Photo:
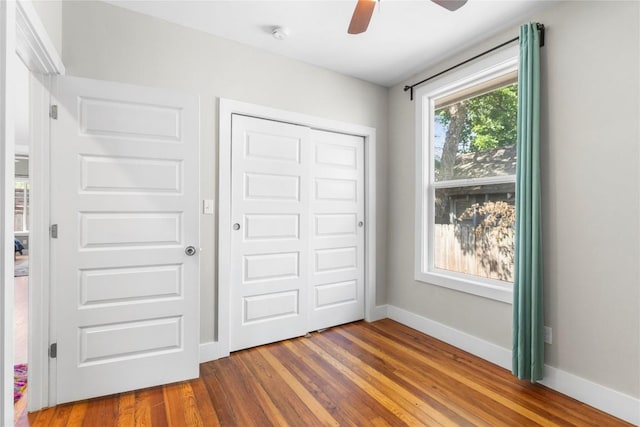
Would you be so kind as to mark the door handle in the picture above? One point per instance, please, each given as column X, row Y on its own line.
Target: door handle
column 190, row 251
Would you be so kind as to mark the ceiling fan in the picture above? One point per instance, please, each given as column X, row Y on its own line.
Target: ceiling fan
column 364, row 11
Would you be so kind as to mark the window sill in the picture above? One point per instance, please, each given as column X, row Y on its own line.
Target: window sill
column 486, row 288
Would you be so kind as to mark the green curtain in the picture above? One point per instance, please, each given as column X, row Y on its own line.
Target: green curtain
column 528, row 322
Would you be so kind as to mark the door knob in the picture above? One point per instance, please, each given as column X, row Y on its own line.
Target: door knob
column 236, row 226
column 190, row 251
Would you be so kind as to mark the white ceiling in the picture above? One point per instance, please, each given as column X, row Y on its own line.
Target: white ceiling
column 404, row 37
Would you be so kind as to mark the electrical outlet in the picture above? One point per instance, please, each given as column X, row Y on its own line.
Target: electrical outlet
column 548, row 335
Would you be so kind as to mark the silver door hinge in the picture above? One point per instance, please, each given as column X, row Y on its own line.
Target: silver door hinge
column 53, row 350
column 54, row 231
column 53, row 112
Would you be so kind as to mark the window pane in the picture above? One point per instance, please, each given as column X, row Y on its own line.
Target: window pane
column 475, row 137
column 21, row 206
column 474, row 230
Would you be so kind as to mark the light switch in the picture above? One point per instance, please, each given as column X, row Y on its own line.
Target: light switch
column 207, row 207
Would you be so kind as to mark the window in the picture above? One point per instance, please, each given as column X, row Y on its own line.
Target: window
column 21, row 206
column 466, row 145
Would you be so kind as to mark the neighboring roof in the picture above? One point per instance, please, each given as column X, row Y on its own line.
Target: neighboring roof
column 497, row 162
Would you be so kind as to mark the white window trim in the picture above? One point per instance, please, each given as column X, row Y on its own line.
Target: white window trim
column 501, row 62
column 453, row 183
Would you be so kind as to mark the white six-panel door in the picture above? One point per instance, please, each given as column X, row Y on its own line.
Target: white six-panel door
column 125, row 200
column 296, row 248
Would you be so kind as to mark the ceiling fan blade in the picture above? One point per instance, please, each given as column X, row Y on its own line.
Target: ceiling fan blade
column 361, row 16
column 450, row 4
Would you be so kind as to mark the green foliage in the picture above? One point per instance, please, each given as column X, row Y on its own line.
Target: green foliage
column 490, row 120
column 495, row 235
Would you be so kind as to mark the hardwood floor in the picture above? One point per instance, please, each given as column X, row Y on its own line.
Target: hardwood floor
column 360, row 374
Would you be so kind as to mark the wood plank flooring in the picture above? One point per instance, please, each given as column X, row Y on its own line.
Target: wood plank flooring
column 360, row 374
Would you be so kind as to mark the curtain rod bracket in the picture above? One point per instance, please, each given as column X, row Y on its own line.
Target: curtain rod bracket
column 539, row 27
column 406, row 88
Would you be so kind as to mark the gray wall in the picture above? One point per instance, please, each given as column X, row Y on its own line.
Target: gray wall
column 105, row 42
column 591, row 194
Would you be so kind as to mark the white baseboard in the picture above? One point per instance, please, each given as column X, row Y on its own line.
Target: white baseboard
column 378, row 313
column 210, row 351
column 476, row 346
column 600, row 397
column 608, row 400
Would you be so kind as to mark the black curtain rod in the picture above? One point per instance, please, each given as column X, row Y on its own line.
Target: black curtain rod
column 540, row 28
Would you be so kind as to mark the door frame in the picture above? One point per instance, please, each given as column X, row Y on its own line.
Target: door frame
column 7, row 47
column 226, row 109
column 25, row 35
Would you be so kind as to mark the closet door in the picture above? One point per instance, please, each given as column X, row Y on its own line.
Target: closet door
column 270, row 202
column 337, row 229
column 297, row 245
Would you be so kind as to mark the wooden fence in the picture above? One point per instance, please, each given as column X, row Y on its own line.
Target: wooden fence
column 459, row 248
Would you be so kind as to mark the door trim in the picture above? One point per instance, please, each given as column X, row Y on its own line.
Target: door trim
column 226, row 109
column 7, row 59
column 40, row 366
column 26, row 35
column 33, row 44
column 23, row 33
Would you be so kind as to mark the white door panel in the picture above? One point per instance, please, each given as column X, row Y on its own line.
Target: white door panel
column 269, row 249
column 331, row 294
column 298, row 252
column 271, row 227
column 336, row 225
column 109, row 174
column 125, row 198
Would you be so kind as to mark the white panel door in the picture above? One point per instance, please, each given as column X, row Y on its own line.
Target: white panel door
column 125, row 199
column 337, row 229
column 269, row 241
column 297, row 249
